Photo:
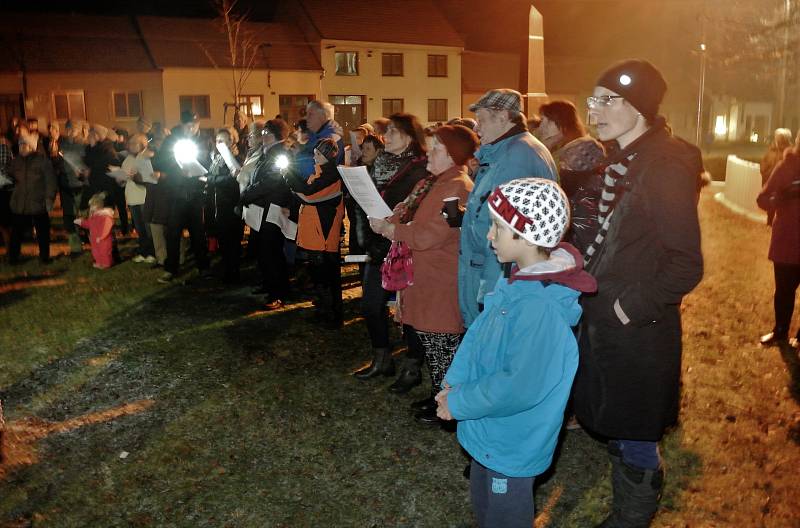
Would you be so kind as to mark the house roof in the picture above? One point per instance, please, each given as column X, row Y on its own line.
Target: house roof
column 406, row 22
column 201, row 43
column 62, row 42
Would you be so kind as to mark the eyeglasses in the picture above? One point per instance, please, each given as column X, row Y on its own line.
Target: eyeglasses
column 600, row 101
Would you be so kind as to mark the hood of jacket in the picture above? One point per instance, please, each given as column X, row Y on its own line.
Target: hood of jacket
column 564, row 267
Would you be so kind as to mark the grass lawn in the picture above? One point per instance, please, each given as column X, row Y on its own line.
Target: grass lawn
column 130, row 403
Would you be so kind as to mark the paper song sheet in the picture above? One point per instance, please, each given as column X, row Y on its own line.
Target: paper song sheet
column 193, row 168
column 145, row 169
column 226, row 154
column 364, row 192
column 252, row 215
column 74, row 160
column 276, row 216
column 118, row 173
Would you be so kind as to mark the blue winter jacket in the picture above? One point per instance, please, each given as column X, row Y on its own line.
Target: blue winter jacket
column 518, row 156
column 304, row 160
column 512, row 375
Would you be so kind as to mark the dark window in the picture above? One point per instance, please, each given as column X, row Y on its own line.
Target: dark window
column 346, row 62
column 69, row 105
column 127, row 104
column 199, row 104
column 437, row 65
column 437, row 109
column 392, row 106
column 293, row 107
column 392, row 64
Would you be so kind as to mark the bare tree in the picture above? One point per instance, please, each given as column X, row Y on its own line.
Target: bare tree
column 241, row 50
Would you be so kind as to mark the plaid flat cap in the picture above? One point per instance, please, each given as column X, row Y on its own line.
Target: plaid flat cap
column 499, row 99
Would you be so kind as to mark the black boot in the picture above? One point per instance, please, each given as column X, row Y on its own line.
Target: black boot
column 382, row 365
column 409, row 377
column 427, row 417
column 424, row 405
column 636, row 495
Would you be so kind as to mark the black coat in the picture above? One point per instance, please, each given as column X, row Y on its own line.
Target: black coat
column 393, row 193
column 628, row 381
column 268, row 185
column 222, row 197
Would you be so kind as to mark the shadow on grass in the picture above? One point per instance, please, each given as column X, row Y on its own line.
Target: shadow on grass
column 790, row 358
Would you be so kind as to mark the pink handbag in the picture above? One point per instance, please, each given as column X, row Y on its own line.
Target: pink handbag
column 397, row 270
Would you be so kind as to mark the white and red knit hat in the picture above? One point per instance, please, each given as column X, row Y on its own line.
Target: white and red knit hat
column 534, row 208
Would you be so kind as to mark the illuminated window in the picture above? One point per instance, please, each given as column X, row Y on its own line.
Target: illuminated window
column 69, row 105
column 346, row 62
column 437, row 109
column 127, row 105
column 256, row 103
column 392, row 106
column 392, row 64
column 437, row 65
column 199, row 104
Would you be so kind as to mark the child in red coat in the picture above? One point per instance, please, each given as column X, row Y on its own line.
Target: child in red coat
column 100, row 225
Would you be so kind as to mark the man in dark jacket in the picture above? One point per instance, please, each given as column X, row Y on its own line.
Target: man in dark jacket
column 269, row 187
column 34, row 192
column 186, row 196
column 645, row 258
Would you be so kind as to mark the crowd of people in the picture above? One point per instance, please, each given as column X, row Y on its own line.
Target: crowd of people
column 531, row 265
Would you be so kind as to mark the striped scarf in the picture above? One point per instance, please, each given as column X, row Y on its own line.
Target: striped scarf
column 609, row 197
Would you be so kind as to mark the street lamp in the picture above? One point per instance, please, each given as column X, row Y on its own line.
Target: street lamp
column 702, row 90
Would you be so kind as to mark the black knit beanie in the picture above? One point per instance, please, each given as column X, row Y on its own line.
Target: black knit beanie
column 639, row 82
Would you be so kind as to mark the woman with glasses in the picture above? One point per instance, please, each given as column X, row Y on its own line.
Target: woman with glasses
column 397, row 170
column 645, row 257
column 577, row 156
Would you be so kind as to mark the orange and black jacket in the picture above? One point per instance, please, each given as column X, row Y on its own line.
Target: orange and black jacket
column 322, row 211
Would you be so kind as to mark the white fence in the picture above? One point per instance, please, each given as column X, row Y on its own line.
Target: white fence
column 742, row 185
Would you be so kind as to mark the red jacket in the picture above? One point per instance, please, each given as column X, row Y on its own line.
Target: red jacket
column 784, row 247
column 431, row 303
column 100, row 226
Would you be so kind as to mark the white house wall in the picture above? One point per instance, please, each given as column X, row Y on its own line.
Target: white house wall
column 218, row 85
column 414, row 86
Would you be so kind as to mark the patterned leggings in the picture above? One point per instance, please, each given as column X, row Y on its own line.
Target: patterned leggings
column 439, row 351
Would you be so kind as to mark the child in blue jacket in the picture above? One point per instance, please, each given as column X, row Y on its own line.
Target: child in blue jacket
column 510, row 380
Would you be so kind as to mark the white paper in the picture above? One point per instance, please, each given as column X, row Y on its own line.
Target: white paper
column 119, row 174
column 145, row 169
column 253, row 215
column 364, row 192
column 74, row 160
column 275, row 216
column 356, row 258
column 230, row 161
column 193, row 168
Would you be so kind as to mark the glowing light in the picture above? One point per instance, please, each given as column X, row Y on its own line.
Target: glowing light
column 754, row 137
column 625, row 80
column 702, row 47
column 281, row 162
column 720, row 128
column 185, row 151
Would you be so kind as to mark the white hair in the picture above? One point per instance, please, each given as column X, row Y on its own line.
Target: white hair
column 323, row 106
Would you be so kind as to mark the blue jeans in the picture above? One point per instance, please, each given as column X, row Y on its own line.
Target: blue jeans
column 637, row 453
column 143, row 230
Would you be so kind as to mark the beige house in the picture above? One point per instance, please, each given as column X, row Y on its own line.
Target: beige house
column 406, row 56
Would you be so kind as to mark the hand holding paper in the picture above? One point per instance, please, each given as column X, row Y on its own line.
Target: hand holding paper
column 364, row 192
